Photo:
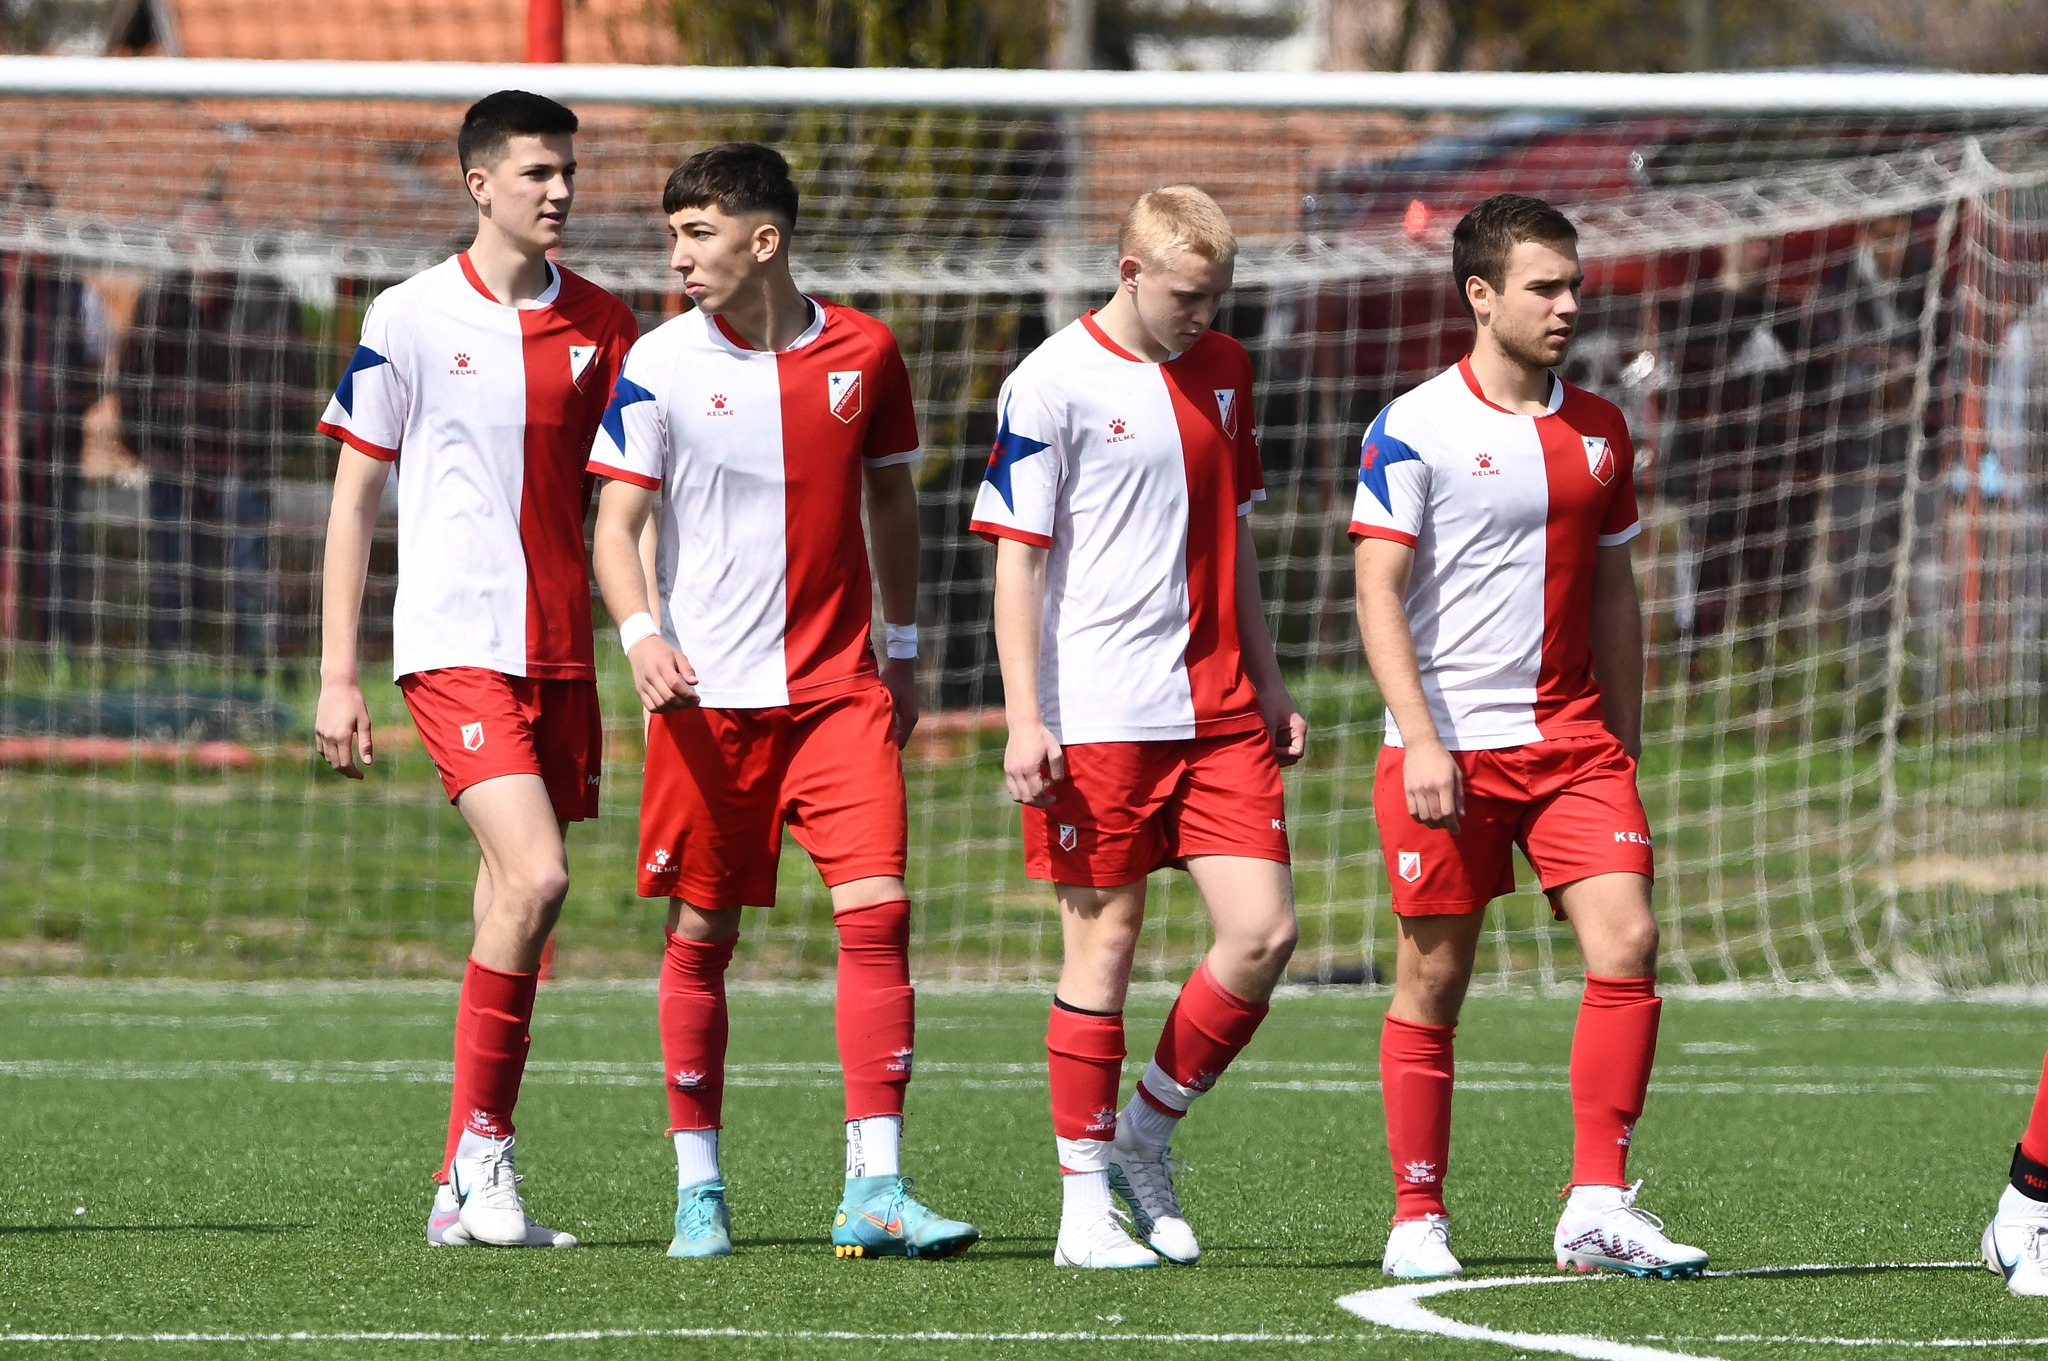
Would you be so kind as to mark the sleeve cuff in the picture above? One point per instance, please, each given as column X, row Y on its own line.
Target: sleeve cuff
column 357, row 442
column 895, row 460
column 991, row 531
column 1622, row 536
column 621, row 475
column 1360, row 530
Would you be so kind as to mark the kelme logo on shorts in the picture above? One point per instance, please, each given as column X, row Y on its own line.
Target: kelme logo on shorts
column 472, row 736
column 1069, row 838
column 1411, row 865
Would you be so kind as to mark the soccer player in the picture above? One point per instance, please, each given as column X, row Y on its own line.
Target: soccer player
column 1494, row 510
column 1148, row 719
column 2016, row 1240
column 765, row 419
column 487, row 375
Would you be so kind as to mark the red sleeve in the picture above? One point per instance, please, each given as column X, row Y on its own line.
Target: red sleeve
column 892, row 428
column 1622, row 514
column 1251, row 473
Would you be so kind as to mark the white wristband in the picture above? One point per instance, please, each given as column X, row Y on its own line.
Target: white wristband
column 899, row 641
column 637, row 630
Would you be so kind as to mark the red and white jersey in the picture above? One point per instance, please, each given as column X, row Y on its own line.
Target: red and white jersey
column 761, row 564
column 1134, row 476
column 489, row 412
column 1506, row 514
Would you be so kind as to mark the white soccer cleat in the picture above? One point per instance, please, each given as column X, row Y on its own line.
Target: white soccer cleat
column 1100, row 1241
column 1602, row 1230
column 486, row 1188
column 2016, row 1243
column 1143, row 1177
column 444, row 1221
column 1420, row 1250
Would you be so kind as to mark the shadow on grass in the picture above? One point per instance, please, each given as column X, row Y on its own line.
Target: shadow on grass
column 153, row 1228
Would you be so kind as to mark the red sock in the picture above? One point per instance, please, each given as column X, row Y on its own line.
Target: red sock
column 1415, row 1087
column 690, row 1008
column 875, row 1011
column 1207, row 1028
column 2034, row 1143
column 1085, row 1064
column 492, row 1042
column 1612, row 1050
column 458, row 1114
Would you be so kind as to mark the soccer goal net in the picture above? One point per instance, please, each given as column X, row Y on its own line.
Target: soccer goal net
column 1821, row 314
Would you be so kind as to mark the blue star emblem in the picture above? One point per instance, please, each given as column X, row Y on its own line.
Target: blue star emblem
column 1378, row 451
column 1010, row 448
column 625, row 392
column 345, row 391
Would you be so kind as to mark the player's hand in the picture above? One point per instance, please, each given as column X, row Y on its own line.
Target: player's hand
column 899, row 674
column 1286, row 726
column 1032, row 764
column 1435, row 787
column 662, row 676
column 341, row 727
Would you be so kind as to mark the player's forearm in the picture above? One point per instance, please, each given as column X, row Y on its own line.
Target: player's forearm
column 1617, row 646
column 1019, row 615
column 893, row 541
column 615, row 551
column 1254, row 639
column 345, row 565
column 1390, row 646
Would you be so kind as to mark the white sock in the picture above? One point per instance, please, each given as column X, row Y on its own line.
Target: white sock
column 1083, row 1195
column 696, row 1156
column 873, row 1146
column 1146, row 1123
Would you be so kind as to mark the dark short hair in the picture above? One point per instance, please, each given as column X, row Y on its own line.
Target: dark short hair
column 497, row 118
column 1485, row 236
column 736, row 178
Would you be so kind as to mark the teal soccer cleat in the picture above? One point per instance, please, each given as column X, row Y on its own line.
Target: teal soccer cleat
column 880, row 1218
column 703, row 1227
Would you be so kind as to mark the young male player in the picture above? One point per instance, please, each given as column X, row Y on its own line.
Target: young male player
column 2016, row 1240
column 1148, row 720
column 487, row 374
column 765, row 419
column 1494, row 509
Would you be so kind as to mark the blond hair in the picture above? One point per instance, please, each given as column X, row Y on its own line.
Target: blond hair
column 1172, row 219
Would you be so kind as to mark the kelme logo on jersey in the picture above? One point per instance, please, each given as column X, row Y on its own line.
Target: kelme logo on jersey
column 1599, row 458
column 472, row 736
column 1411, row 865
column 1485, row 468
column 1120, row 430
column 1226, row 407
column 842, row 390
column 579, row 363
column 462, row 366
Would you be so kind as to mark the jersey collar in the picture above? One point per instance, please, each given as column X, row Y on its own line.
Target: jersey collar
column 1102, row 339
column 809, row 333
column 547, row 296
column 1472, row 382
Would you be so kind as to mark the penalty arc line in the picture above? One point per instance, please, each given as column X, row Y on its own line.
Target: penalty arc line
column 1400, row 1308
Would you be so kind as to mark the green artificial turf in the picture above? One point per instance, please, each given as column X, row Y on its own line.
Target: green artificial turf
column 253, row 1160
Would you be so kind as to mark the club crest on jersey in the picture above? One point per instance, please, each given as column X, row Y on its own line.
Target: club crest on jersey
column 579, row 363
column 1599, row 458
column 842, row 390
column 1226, row 407
column 1411, row 865
column 472, row 736
column 1069, row 837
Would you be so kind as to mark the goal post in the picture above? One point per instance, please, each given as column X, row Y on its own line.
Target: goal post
column 1817, row 296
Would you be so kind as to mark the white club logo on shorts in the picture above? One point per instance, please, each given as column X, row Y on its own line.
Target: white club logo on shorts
column 1411, row 865
column 472, row 736
column 842, row 389
column 1069, row 838
column 1599, row 458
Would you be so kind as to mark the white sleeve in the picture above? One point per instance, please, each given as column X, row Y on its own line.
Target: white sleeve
column 632, row 439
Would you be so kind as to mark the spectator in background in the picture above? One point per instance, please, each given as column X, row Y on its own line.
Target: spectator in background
column 214, row 379
column 44, row 320
column 1859, row 401
column 1730, row 452
column 2014, row 463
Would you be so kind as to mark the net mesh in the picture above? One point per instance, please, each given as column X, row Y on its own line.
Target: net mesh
column 1826, row 336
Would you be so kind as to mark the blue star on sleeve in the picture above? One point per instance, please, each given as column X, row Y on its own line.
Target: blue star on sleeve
column 1010, row 448
column 1379, row 452
column 625, row 392
column 345, row 391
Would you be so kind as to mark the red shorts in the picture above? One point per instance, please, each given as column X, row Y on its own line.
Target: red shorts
column 722, row 782
column 1570, row 803
column 477, row 725
column 1128, row 808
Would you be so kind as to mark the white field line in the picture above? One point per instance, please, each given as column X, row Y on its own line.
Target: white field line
column 1400, row 1308
column 979, row 1076
column 684, row 1334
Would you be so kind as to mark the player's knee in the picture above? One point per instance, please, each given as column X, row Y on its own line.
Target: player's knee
column 540, row 885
